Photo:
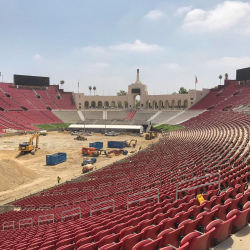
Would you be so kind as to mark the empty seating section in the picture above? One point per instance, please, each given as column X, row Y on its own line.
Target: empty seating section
column 130, row 115
column 227, row 97
column 22, row 108
column 144, row 115
column 116, row 115
column 213, row 144
column 188, row 114
column 164, row 116
column 67, row 116
column 91, row 114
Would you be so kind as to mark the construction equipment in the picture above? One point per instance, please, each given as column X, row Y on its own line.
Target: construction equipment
column 28, row 147
column 116, row 152
column 90, row 161
column 87, row 168
column 80, row 138
column 112, row 133
column 93, row 152
column 150, row 135
column 43, row 132
column 128, row 144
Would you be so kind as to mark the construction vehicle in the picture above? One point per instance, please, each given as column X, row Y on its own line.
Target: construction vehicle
column 128, row 144
column 150, row 135
column 112, row 133
column 93, row 152
column 80, row 138
column 87, row 168
column 90, row 161
column 29, row 147
column 43, row 132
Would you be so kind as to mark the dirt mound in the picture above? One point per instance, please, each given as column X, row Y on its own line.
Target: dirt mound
column 13, row 174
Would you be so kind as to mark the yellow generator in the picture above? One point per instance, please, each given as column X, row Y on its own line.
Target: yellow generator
column 28, row 147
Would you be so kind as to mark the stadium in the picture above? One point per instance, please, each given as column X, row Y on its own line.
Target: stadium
column 120, row 128
column 134, row 201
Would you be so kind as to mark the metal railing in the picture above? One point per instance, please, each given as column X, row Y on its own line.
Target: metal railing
column 80, row 199
column 25, row 222
column 9, row 224
column 101, row 195
column 44, row 218
column 45, row 206
column 88, row 189
column 73, row 212
column 72, row 190
column 61, row 203
column 145, row 198
column 56, row 192
column 103, row 185
column 100, row 209
column 197, row 178
column 29, row 207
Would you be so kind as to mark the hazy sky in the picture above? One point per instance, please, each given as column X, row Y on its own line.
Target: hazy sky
column 102, row 43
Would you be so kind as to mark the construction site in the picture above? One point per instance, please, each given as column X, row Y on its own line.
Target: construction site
column 23, row 174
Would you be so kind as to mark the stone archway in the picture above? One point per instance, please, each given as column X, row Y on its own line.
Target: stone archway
column 148, row 105
column 126, row 104
column 112, row 104
column 154, row 105
column 93, row 104
column 179, row 103
column 137, row 102
column 106, row 104
column 166, row 104
column 160, row 105
column 173, row 104
column 86, row 104
column 185, row 104
column 119, row 104
column 99, row 104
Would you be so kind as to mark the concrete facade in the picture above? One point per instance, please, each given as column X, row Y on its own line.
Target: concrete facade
column 147, row 102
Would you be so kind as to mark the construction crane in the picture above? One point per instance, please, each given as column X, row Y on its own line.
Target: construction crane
column 29, row 147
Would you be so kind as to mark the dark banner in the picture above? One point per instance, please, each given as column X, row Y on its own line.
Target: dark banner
column 31, row 80
column 243, row 74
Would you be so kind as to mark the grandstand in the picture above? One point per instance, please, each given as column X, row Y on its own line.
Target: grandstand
column 147, row 200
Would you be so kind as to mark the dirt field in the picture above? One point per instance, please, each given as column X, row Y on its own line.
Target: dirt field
column 22, row 175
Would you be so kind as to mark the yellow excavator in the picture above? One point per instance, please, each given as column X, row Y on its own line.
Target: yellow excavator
column 128, row 144
column 29, row 147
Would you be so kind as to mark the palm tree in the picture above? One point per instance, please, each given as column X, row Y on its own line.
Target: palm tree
column 90, row 89
column 220, row 77
column 94, row 88
column 62, row 82
column 226, row 76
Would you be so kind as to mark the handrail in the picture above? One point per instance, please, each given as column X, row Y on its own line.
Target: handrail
column 44, row 206
column 12, row 224
column 61, row 203
column 100, row 209
column 79, row 199
column 106, row 184
column 78, row 209
column 29, row 207
column 40, row 218
column 27, row 223
column 88, row 189
column 56, row 192
column 142, row 199
column 197, row 178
